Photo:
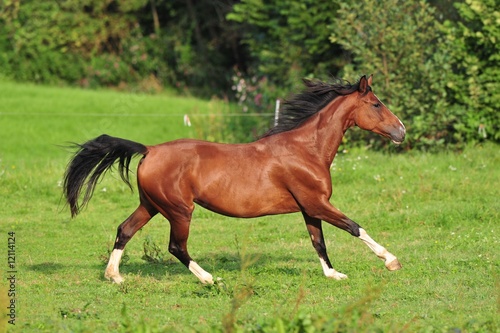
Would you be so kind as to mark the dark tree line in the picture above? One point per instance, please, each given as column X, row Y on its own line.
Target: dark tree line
column 436, row 63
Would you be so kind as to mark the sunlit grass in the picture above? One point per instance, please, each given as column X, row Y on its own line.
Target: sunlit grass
column 438, row 213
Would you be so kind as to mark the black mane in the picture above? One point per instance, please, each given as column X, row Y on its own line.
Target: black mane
column 314, row 98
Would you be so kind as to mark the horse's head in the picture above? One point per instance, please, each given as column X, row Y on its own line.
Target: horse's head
column 372, row 115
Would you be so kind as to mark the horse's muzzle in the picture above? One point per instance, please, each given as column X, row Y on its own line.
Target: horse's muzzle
column 397, row 135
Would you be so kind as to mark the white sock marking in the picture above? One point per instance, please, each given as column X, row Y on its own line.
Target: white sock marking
column 200, row 273
column 112, row 270
column 330, row 272
column 378, row 249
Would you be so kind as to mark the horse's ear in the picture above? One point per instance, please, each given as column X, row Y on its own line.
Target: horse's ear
column 308, row 82
column 363, row 84
column 370, row 79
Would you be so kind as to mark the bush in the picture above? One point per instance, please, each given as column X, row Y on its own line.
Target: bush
column 48, row 42
column 287, row 39
column 400, row 44
column 442, row 80
column 474, row 89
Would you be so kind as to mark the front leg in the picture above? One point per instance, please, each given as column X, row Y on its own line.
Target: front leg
column 390, row 261
column 316, row 233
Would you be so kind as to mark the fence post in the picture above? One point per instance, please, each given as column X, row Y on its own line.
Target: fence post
column 277, row 112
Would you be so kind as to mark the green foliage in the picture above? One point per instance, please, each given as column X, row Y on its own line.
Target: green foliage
column 79, row 314
column 153, row 252
column 226, row 122
column 400, row 43
column 431, row 75
column 194, row 45
column 474, row 43
column 114, row 43
column 287, row 38
column 287, row 41
column 51, row 42
column 436, row 62
column 33, row 49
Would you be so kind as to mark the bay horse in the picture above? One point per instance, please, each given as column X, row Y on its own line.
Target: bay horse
column 287, row 170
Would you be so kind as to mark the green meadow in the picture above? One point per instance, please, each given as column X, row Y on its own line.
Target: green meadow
column 438, row 213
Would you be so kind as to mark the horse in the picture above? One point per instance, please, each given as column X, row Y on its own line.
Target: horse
column 286, row 170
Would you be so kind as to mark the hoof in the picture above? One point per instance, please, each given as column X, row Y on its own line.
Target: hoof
column 333, row 274
column 340, row 276
column 115, row 279
column 207, row 279
column 393, row 265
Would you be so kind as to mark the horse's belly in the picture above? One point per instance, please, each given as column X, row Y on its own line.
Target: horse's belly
column 250, row 204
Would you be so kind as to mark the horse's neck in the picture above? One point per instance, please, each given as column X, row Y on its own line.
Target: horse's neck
column 320, row 136
column 329, row 126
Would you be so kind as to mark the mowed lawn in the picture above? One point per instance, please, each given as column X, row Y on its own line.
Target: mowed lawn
column 438, row 213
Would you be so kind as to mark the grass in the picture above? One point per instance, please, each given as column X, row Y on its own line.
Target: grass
column 438, row 213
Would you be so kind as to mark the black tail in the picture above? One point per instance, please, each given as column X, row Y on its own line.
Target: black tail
column 91, row 161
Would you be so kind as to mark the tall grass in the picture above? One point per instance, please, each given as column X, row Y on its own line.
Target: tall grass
column 438, row 213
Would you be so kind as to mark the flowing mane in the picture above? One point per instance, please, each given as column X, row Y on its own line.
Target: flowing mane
column 314, row 98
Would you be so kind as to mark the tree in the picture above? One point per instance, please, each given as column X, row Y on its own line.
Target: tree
column 399, row 43
column 474, row 43
column 287, row 40
column 49, row 41
column 114, row 43
column 200, row 45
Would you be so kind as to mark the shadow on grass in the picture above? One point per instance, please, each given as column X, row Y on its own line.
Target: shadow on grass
column 213, row 263
column 157, row 271
column 47, row 267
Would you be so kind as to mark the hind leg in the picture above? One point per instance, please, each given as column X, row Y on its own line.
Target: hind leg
column 177, row 208
column 126, row 230
column 318, row 242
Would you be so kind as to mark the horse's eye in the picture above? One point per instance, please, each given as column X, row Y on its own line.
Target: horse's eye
column 377, row 105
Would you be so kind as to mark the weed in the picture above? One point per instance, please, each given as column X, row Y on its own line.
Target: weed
column 153, row 252
column 79, row 314
column 104, row 258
